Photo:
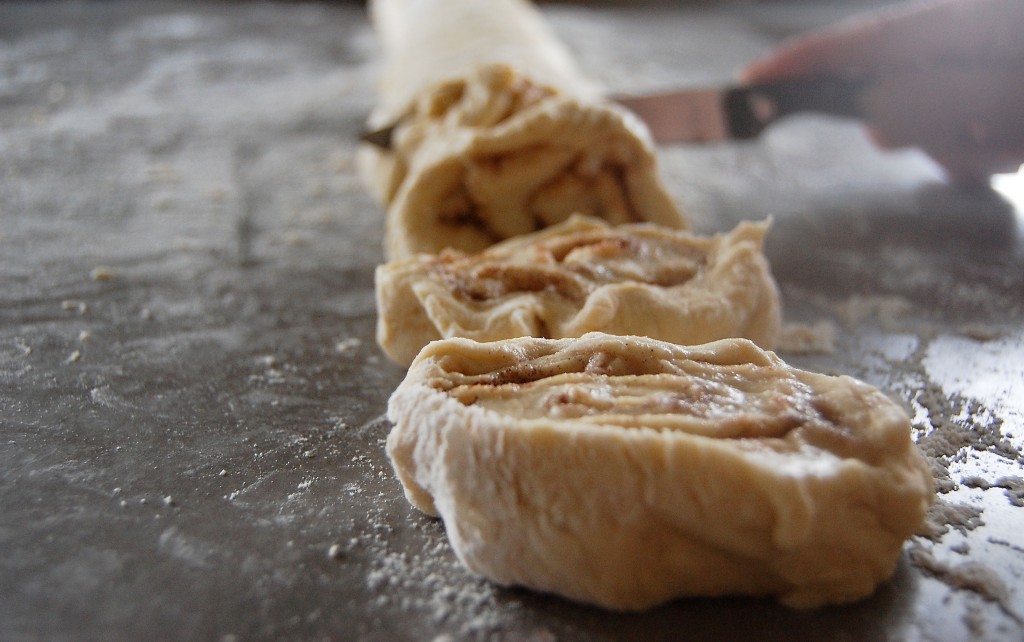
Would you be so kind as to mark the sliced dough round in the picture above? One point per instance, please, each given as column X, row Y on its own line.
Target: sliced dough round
column 625, row 472
column 499, row 134
column 583, row 276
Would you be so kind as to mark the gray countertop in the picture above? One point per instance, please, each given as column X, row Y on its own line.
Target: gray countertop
column 191, row 399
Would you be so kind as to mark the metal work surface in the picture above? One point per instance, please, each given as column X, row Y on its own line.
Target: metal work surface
column 191, row 399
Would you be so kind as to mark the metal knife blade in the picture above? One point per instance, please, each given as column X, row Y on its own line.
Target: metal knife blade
column 741, row 112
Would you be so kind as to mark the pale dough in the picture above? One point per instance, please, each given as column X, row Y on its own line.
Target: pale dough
column 625, row 472
column 498, row 134
column 581, row 276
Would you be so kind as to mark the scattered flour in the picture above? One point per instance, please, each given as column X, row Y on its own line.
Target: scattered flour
column 944, row 515
column 1012, row 484
column 970, row 576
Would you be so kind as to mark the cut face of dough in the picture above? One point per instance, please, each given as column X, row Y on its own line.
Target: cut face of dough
column 492, row 155
column 625, row 472
column 582, row 276
column 498, row 134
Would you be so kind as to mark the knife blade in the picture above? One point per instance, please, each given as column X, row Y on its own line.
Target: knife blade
column 742, row 112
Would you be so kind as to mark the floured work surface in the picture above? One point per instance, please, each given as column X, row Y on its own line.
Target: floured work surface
column 192, row 432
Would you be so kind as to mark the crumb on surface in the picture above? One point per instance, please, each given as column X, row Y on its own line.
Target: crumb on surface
column 980, row 331
column 346, row 345
column 803, row 338
column 102, row 273
column 74, row 305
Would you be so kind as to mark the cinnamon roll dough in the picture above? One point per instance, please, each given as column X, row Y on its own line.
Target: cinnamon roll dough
column 581, row 276
column 624, row 471
column 498, row 133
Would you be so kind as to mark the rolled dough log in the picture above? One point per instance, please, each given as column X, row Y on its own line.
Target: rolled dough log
column 498, row 133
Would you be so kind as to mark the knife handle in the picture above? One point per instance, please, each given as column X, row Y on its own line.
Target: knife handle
column 750, row 108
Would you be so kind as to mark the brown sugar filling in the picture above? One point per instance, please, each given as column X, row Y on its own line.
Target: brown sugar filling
column 619, row 388
column 571, row 266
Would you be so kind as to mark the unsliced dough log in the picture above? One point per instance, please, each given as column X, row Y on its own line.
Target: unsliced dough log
column 499, row 134
column 626, row 472
column 582, row 276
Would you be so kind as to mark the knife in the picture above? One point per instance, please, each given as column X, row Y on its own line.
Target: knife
column 707, row 115
column 947, row 110
column 742, row 112
column 943, row 109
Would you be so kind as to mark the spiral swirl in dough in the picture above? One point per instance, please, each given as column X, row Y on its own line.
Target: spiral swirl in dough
column 582, row 276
